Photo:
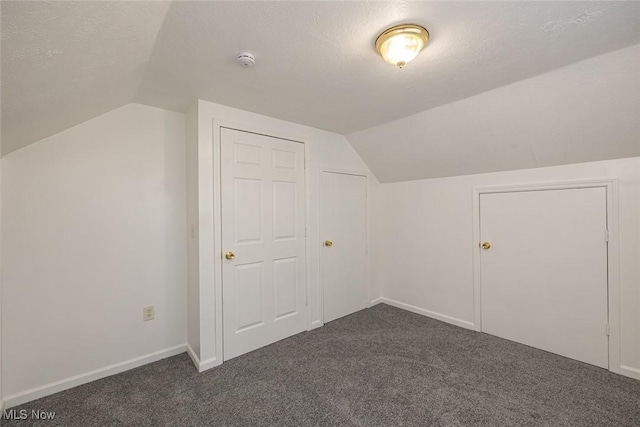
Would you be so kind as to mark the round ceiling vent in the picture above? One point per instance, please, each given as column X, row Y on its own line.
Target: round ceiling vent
column 246, row 59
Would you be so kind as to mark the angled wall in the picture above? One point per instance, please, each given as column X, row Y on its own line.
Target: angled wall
column 93, row 222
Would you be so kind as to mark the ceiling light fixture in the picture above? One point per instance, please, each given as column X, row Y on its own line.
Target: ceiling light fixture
column 402, row 43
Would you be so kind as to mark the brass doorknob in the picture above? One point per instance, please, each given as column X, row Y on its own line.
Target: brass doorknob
column 229, row 255
column 328, row 243
column 486, row 245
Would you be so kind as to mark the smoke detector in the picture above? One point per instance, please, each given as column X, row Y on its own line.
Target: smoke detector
column 246, row 59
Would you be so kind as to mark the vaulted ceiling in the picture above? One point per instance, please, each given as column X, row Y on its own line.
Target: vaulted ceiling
column 65, row 62
column 587, row 111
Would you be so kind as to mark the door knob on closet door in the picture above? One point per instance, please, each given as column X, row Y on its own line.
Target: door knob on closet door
column 229, row 255
column 485, row 245
column 328, row 243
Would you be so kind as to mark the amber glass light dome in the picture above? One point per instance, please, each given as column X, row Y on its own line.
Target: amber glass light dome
column 402, row 43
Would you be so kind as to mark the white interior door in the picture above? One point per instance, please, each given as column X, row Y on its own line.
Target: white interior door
column 344, row 230
column 544, row 277
column 263, row 232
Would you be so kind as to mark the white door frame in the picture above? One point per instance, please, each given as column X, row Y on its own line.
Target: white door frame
column 611, row 186
column 367, row 176
column 217, row 218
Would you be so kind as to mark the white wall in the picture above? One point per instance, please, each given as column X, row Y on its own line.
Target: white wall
column 324, row 149
column 586, row 111
column 93, row 225
column 430, row 223
column 193, row 262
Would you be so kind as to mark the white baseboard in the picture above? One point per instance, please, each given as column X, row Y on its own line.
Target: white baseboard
column 624, row 370
column 194, row 357
column 315, row 324
column 57, row 386
column 630, row 372
column 376, row 301
column 442, row 317
column 201, row 365
column 208, row 364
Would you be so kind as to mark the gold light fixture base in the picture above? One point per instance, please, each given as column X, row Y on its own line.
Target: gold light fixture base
column 402, row 43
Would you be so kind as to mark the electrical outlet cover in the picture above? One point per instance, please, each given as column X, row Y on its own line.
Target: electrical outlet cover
column 148, row 313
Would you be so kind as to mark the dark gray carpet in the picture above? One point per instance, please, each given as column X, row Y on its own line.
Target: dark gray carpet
column 379, row 367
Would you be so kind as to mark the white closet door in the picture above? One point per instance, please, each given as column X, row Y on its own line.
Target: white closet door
column 344, row 262
column 544, row 277
column 263, row 240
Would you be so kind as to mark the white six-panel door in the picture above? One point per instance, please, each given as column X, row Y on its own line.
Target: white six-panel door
column 263, row 240
column 343, row 207
column 544, row 276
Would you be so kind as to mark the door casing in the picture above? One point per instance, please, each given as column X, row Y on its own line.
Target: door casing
column 611, row 186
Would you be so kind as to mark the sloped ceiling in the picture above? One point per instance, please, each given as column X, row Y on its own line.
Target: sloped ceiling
column 64, row 62
column 583, row 112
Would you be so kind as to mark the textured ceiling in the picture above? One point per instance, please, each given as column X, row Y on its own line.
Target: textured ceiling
column 63, row 62
column 583, row 112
